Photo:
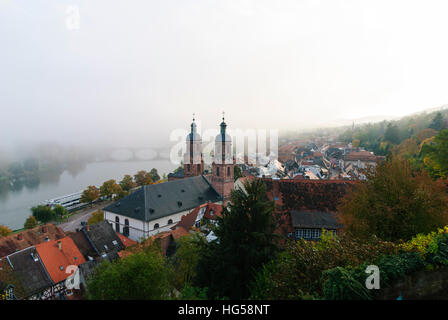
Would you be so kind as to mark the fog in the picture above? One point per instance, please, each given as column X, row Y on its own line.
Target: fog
column 127, row 73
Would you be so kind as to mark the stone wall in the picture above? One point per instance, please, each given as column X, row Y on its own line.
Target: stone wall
column 421, row 285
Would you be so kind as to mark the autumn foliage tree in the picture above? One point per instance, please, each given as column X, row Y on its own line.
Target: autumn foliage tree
column 109, row 188
column 143, row 178
column 31, row 222
column 394, row 203
column 96, row 217
column 127, row 183
column 90, row 194
column 436, row 155
column 4, row 231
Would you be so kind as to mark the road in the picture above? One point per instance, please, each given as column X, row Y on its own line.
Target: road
column 75, row 220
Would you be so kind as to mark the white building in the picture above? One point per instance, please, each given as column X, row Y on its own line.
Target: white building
column 158, row 207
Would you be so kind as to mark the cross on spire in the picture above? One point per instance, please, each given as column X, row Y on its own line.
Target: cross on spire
column 193, row 117
column 223, row 115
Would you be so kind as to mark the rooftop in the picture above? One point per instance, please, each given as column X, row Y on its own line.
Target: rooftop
column 160, row 200
column 28, row 238
column 314, row 219
column 57, row 255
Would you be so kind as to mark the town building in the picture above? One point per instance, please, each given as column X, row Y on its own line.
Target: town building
column 27, row 238
column 158, row 207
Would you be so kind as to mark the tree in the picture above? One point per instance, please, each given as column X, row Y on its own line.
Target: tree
column 186, row 258
column 127, row 183
column 297, row 272
column 4, row 231
column 96, row 217
column 154, row 175
column 30, row 223
column 438, row 122
column 142, row 275
column 394, row 203
column 246, row 241
column 43, row 213
column 143, row 178
column 31, row 165
column 425, row 134
column 60, row 211
column 16, row 169
column 121, row 194
column 436, row 155
column 237, row 173
column 109, row 188
column 90, row 194
column 392, row 133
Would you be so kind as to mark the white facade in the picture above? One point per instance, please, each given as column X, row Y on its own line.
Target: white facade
column 138, row 229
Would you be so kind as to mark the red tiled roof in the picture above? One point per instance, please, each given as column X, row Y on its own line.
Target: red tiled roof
column 57, row 260
column 216, row 208
column 179, row 232
column 187, row 221
column 126, row 241
column 28, row 238
column 360, row 155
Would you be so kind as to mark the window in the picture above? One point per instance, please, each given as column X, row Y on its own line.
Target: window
column 217, row 171
column 117, row 224
column 170, row 221
column 228, row 171
column 308, row 234
column 188, row 168
column 156, row 226
column 199, row 168
column 126, row 228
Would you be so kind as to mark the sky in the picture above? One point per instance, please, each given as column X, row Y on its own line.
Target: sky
column 130, row 72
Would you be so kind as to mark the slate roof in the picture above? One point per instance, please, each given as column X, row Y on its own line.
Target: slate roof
column 83, row 244
column 314, row 219
column 163, row 199
column 32, row 274
column 178, row 174
column 103, row 238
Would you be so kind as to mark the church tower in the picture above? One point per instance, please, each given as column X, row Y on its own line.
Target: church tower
column 223, row 163
column 193, row 160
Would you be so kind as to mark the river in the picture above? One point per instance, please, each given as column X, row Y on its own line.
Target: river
column 15, row 204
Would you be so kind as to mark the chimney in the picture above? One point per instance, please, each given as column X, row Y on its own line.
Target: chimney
column 44, row 229
column 19, row 236
column 60, row 245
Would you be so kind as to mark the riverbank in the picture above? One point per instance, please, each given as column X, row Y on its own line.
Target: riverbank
column 15, row 204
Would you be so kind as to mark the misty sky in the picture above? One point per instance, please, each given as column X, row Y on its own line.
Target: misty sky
column 135, row 70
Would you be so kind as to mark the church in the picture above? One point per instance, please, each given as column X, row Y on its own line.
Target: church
column 158, row 207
